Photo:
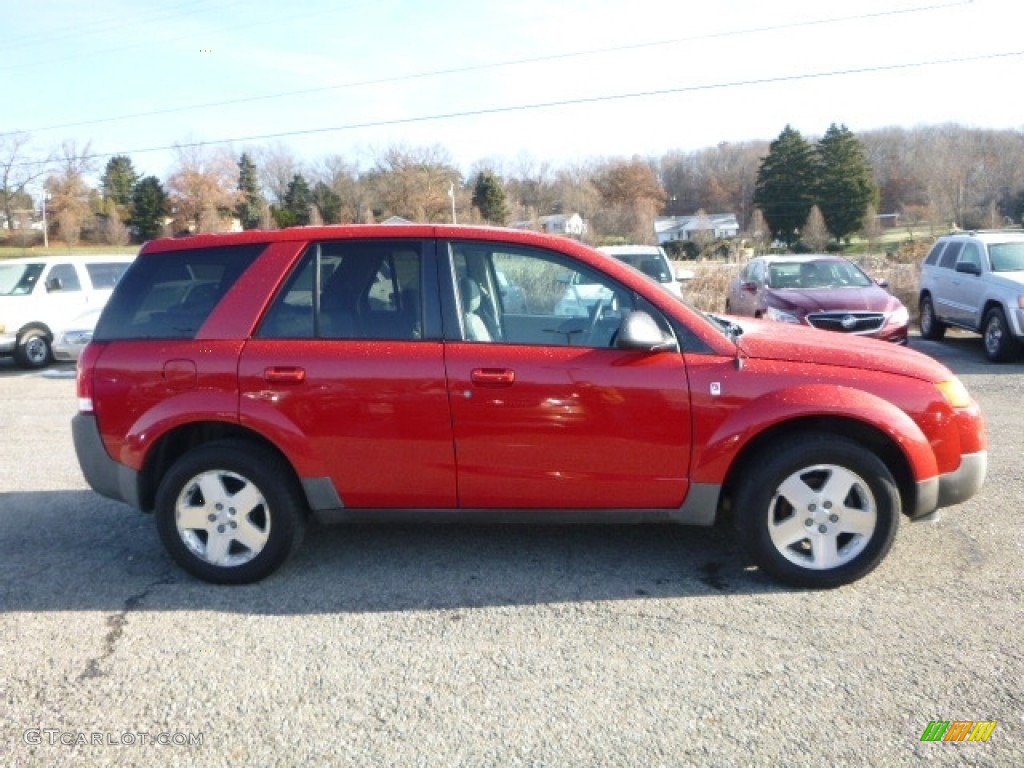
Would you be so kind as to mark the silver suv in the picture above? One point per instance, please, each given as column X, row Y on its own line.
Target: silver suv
column 975, row 280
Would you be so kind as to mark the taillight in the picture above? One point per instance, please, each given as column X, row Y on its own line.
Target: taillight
column 84, row 377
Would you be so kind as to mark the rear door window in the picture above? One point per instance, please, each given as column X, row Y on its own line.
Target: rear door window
column 948, row 258
column 351, row 290
column 63, row 277
column 169, row 295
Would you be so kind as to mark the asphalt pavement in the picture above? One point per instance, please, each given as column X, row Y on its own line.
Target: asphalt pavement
column 501, row 646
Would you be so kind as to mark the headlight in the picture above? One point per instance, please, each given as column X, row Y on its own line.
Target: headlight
column 77, row 338
column 900, row 317
column 783, row 317
column 955, row 393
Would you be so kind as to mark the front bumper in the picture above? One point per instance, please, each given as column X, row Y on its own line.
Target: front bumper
column 107, row 477
column 953, row 487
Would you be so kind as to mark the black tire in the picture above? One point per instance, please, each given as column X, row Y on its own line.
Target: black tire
column 1000, row 345
column 33, row 350
column 931, row 327
column 835, row 491
column 257, row 538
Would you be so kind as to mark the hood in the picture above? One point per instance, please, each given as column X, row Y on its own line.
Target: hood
column 770, row 340
column 872, row 298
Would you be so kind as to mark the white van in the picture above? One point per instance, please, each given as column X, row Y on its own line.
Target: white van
column 649, row 259
column 41, row 295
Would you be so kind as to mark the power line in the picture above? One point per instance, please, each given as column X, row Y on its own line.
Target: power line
column 559, row 103
column 501, row 64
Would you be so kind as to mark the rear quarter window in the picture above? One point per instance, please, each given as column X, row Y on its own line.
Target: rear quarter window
column 934, row 254
column 169, row 295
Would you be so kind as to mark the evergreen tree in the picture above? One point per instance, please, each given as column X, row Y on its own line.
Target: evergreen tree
column 250, row 199
column 296, row 203
column 119, row 180
column 489, row 198
column 149, row 201
column 785, row 188
column 328, row 202
column 846, row 188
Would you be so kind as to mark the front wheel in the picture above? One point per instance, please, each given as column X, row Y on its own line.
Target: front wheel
column 33, row 350
column 1000, row 345
column 230, row 512
column 819, row 513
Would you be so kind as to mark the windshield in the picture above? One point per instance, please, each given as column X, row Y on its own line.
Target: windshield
column 18, row 279
column 1006, row 257
column 650, row 264
column 817, row 274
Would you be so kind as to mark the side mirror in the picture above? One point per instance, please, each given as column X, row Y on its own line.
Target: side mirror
column 639, row 331
column 881, row 282
column 54, row 284
column 968, row 268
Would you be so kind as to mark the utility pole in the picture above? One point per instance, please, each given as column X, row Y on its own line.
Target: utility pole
column 46, row 231
column 451, row 194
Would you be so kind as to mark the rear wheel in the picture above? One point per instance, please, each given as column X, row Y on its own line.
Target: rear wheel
column 1000, row 345
column 230, row 512
column 820, row 513
column 33, row 350
column 931, row 327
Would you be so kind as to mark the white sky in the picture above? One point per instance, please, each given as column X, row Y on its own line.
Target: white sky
column 732, row 70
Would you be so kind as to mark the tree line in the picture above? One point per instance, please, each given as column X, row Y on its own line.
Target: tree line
column 791, row 189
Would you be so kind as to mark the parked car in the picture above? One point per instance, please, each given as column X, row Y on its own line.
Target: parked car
column 237, row 383
column 39, row 295
column 822, row 291
column 975, row 280
column 69, row 342
column 651, row 260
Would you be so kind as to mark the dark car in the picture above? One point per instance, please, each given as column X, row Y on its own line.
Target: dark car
column 822, row 291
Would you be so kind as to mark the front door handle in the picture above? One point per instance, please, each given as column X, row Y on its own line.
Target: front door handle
column 493, row 377
column 284, row 374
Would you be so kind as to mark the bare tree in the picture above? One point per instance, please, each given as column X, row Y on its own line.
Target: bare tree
column 631, row 196
column 18, row 169
column 344, row 179
column 69, row 192
column 413, row 183
column 759, row 231
column 114, row 230
column 278, row 166
column 703, row 231
column 202, row 190
column 872, row 230
column 814, row 233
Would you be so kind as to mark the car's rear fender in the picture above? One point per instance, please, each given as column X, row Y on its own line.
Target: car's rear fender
column 176, row 442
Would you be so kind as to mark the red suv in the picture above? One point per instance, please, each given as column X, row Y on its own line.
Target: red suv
column 237, row 384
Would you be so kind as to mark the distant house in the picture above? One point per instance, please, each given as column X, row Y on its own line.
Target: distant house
column 720, row 226
column 569, row 225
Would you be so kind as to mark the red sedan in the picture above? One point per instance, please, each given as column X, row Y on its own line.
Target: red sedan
column 822, row 291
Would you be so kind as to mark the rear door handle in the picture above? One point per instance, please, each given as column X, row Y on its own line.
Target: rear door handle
column 493, row 377
column 284, row 374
